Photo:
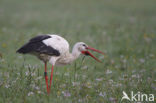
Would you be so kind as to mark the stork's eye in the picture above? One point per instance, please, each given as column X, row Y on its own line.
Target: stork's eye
column 84, row 45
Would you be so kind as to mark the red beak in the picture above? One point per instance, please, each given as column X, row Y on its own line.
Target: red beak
column 95, row 50
column 88, row 53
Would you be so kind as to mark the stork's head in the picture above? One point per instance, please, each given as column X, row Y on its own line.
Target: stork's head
column 83, row 49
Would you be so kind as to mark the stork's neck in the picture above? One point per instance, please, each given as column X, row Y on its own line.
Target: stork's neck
column 69, row 57
column 75, row 53
column 73, row 56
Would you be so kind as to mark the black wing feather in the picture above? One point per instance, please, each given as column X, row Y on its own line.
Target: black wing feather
column 36, row 45
column 39, row 38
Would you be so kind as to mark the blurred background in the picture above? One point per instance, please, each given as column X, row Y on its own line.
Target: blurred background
column 124, row 29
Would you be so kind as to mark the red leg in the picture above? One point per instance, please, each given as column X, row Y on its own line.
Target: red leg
column 51, row 77
column 46, row 77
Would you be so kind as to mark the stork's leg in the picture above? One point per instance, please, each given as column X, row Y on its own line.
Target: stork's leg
column 51, row 77
column 46, row 77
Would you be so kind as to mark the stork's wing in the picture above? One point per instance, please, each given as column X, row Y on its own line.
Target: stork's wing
column 58, row 43
column 36, row 45
column 39, row 38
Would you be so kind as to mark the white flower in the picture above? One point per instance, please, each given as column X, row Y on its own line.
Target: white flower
column 84, row 76
column 57, row 73
column 124, row 60
column 1, row 83
column 75, row 83
column 116, row 66
column 121, row 56
column 27, row 73
column 112, row 61
column 30, row 93
column 38, row 78
column 143, row 70
column 108, row 71
column 33, row 74
column 80, row 100
column 142, row 60
column 120, row 78
column 2, row 60
column 37, row 88
column 89, row 86
column 147, row 39
column 39, row 92
column 102, row 94
column 7, row 86
column 110, row 81
column 101, row 57
column 6, row 74
column 151, row 55
column 99, row 79
column 63, row 86
column 66, row 93
column 117, row 85
column 13, row 82
column 85, row 67
column 112, row 99
column 66, row 74
column 135, row 76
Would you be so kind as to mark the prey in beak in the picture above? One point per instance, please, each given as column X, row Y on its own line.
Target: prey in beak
column 87, row 53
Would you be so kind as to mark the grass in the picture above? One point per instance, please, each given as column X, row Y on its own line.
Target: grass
column 124, row 29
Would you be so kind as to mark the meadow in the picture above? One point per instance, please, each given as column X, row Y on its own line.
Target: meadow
column 125, row 30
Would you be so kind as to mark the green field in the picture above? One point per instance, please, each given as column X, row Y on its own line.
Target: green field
column 125, row 30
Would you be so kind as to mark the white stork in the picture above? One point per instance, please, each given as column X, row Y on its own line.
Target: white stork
column 55, row 50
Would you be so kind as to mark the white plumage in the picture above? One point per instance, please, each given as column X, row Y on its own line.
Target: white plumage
column 58, row 43
column 62, row 46
column 55, row 49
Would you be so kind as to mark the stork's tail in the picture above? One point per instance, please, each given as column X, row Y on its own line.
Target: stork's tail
column 24, row 49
